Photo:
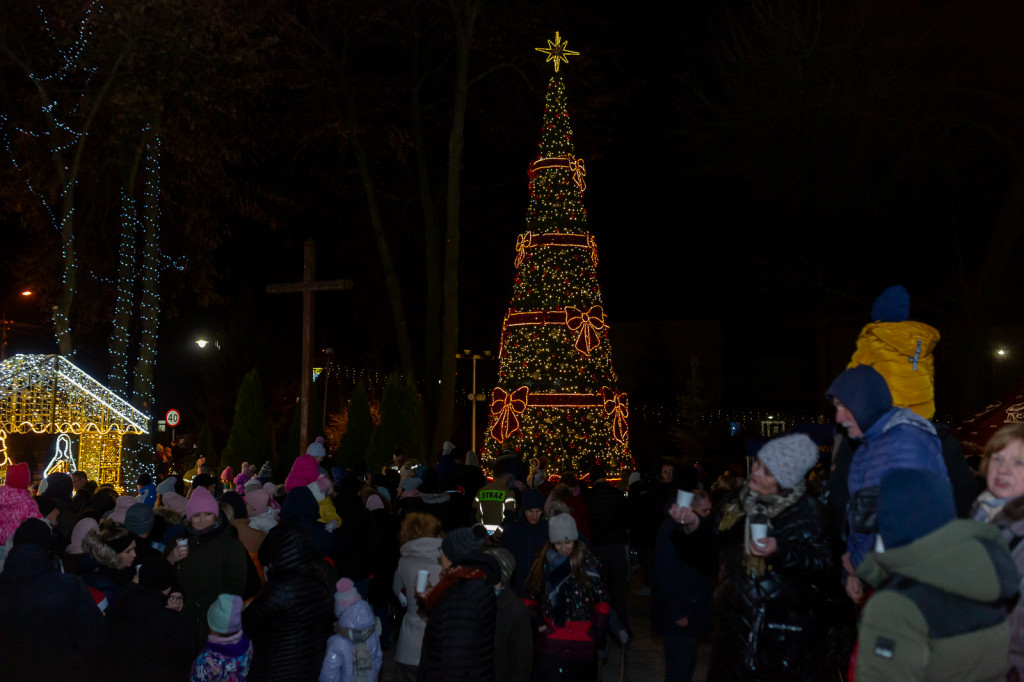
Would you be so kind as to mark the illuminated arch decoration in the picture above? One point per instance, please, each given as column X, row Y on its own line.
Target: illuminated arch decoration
column 556, row 395
column 49, row 394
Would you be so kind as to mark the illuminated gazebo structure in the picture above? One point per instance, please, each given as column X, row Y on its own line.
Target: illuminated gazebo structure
column 48, row 394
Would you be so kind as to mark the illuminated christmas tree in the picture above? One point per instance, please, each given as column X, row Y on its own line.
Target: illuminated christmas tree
column 556, row 396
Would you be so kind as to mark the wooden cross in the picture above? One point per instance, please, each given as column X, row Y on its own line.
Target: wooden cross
column 307, row 287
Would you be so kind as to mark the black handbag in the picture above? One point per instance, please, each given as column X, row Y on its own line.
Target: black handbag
column 863, row 512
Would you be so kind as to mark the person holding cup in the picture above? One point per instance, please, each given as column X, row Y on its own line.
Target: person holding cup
column 774, row 554
column 419, row 537
column 212, row 562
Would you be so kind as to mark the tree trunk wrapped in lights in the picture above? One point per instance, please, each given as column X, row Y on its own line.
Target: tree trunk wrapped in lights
column 557, row 393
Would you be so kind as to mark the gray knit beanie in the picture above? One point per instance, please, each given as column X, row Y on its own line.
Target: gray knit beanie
column 562, row 527
column 139, row 519
column 789, row 458
column 166, row 486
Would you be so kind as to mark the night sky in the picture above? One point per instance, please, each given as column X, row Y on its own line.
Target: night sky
column 755, row 177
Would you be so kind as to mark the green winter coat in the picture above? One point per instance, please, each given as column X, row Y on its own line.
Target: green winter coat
column 940, row 609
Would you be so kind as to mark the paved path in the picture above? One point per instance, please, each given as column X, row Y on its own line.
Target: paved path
column 644, row 654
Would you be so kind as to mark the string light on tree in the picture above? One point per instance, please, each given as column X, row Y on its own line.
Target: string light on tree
column 556, row 395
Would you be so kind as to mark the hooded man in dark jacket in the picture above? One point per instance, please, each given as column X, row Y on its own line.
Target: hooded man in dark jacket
column 35, row 603
column 526, row 537
column 939, row 612
column 891, row 438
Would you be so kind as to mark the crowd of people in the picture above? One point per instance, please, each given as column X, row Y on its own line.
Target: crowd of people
column 889, row 560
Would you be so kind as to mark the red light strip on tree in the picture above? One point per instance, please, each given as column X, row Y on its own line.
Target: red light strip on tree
column 506, row 408
column 529, row 240
column 569, row 162
column 585, row 324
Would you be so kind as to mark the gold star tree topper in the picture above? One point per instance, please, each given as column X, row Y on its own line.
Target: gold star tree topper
column 557, row 51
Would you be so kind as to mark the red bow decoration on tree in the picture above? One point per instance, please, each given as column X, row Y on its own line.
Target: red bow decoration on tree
column 616, row 405
column 586, row 325
column 506, row 408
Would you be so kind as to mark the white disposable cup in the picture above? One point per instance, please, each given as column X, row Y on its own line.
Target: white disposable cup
column 684, row 498
column 183, row 543
column 758, row 532
column 879, row 545
column 421, row 580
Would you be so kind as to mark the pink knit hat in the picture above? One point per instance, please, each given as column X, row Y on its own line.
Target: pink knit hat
column 374, row 502
column 256, row 502
column 175, row 502
column 18, row 476
column 228, row 474
column 345, row 595
column 304, row 471
column 201, row 501
column 121, row 508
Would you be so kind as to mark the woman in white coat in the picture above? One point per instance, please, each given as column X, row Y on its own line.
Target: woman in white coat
column 420, row 539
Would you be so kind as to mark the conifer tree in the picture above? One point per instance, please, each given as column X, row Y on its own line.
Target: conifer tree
column 356, row 440
column 204, row 445
column 248, row 441
column 556, row 395
column 399, row 424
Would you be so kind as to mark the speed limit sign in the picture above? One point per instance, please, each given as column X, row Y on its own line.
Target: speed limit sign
column 173, row 418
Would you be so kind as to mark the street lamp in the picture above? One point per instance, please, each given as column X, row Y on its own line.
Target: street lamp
column 203, row 343
column 6, row 324
column 473, row 397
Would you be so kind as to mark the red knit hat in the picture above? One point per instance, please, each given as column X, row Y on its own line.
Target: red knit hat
column 18, row 476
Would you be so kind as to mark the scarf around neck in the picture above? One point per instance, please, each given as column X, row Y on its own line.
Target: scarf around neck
column 987, row 507
column 747, row 504
column 558, row 572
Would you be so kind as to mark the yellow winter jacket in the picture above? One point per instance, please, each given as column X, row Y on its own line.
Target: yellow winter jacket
column 902, row 353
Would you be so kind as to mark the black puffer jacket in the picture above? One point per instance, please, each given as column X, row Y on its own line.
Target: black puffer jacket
column 290, row 620
column 787, row 596
column 458, row 643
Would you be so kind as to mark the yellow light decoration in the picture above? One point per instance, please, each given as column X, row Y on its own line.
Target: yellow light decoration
column 507, row 407
column 557, row 51
column 528, row 240
column 49, row 394
column 62, row 458
column 556, row 393
column 585, row 324
column 568, row 161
